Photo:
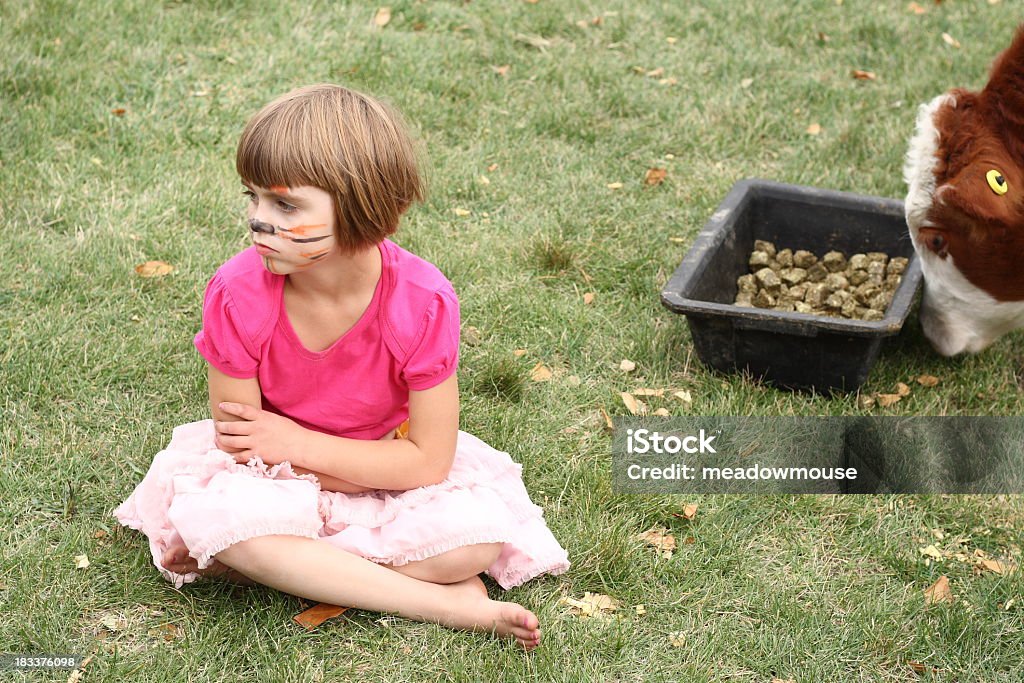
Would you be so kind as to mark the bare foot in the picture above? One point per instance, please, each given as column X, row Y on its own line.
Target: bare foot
column 474, row 610
column 177, row 560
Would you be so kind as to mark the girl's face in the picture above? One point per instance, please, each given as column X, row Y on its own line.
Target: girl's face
column 292, row 227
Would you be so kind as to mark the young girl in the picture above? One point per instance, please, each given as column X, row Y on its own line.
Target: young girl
column 334, row 468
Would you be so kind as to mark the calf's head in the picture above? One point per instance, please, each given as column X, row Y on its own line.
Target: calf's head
column 965, row 208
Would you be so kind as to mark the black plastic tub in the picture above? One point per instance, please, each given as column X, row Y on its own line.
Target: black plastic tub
column 792, row 350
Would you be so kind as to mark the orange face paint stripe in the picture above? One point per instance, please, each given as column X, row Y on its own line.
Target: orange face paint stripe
column 313, row 254
column 279, row 189
column 303, row 229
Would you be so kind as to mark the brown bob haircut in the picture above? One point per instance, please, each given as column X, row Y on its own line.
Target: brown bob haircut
column 343, row 142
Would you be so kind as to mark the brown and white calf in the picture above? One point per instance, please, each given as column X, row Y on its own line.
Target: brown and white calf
column 965, row 208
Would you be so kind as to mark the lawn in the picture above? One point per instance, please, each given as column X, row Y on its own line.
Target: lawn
column 540, row 121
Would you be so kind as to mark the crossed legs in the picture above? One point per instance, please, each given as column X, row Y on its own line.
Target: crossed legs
column 444, row 589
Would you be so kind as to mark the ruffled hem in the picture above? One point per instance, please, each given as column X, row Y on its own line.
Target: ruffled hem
column 215, row 502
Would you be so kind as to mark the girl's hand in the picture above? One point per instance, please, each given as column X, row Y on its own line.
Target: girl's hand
column 259, row 432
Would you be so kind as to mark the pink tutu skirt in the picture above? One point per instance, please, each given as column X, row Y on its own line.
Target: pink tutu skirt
column 197, row 495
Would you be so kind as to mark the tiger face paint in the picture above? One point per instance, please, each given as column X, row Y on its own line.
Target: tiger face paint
column 292, row 228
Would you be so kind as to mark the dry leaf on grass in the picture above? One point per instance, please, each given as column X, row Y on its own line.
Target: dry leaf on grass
column 938, row 591
column 746, row 83
column 154, row 269
column 655, row 176
column 950, row 40
column 641, row 610
column 519, row 353
column 916, row 8
column 459, row 211
column 627, row 365
column 119, row 111
column 689, row 512
column 902, row 389
column 997, row 566
column 862, row 75
column 81, row 561
column 503, row 72
column 886, row 400
column 931, row 551
column 662, row 412
column 814, row 129
column 540, row 373
column 928, row 380
column 649, row 392
column 660, row 539
column 920, row 668
column 614, row 186
column 592, row 605
column 634, row 406
column 677, row 638
column 318, row 614
column 607, row 419
column 684, row 396
column 382, row 17
column 588, row 298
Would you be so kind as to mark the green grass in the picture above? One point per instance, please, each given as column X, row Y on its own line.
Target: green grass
column 96, row 364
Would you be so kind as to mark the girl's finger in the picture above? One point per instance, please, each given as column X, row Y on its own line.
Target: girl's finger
column 224, row 442
column 233, row 427
column 246, row 412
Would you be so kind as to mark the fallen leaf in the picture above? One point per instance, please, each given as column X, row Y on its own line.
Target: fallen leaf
column 627, row 365
column 484, row 180
column 588, row 298
column 592, row 605
column 931, row 551
column 677, row 240
column 662, row 412
column 649, row 392
column 689, row 511
column 902, row 389
column 886, row 400
column 996, row 566
column 382, row 17
column 318, row 614
column 540, row 373
column 684, row 396
column 458, row 211
column 501, row 70
column 492, row 168
column 950, row 40
column 614, row 186
column 677, row 638
column 641, row 610
column 519, row 353
column 607, row 419
column 169, row 632
column 76, row 676
column 655, row 73
column 671, row 40
column 861, row 75
column 154, row 269
column 920, row 668
column 99, row 534
column 634, row 406
column 814, row 129
column 659, row 538
column 928, row 380
column 112, row 623
column 938, row 591
column 655, row 176
column 667, row 81
column 81, row 561
column 746, row 83
column 916, row 8
column 119, row 111
column 865, row 401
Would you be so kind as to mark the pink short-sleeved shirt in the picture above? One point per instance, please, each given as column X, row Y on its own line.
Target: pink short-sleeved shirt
column 407, row 339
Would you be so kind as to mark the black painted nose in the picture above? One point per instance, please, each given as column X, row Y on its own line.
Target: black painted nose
column 260, row 226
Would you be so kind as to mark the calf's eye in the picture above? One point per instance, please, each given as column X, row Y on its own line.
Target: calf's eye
column 997, row 181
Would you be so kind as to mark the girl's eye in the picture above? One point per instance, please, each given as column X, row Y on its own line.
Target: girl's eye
column 250, row 194
column 285, row 206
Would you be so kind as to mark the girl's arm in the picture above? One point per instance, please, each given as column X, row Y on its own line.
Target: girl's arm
column 227, row 389
column 424, row 458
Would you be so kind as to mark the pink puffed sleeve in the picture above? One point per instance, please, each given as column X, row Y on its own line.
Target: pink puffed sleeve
column 436, row 354
column 223, row 341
